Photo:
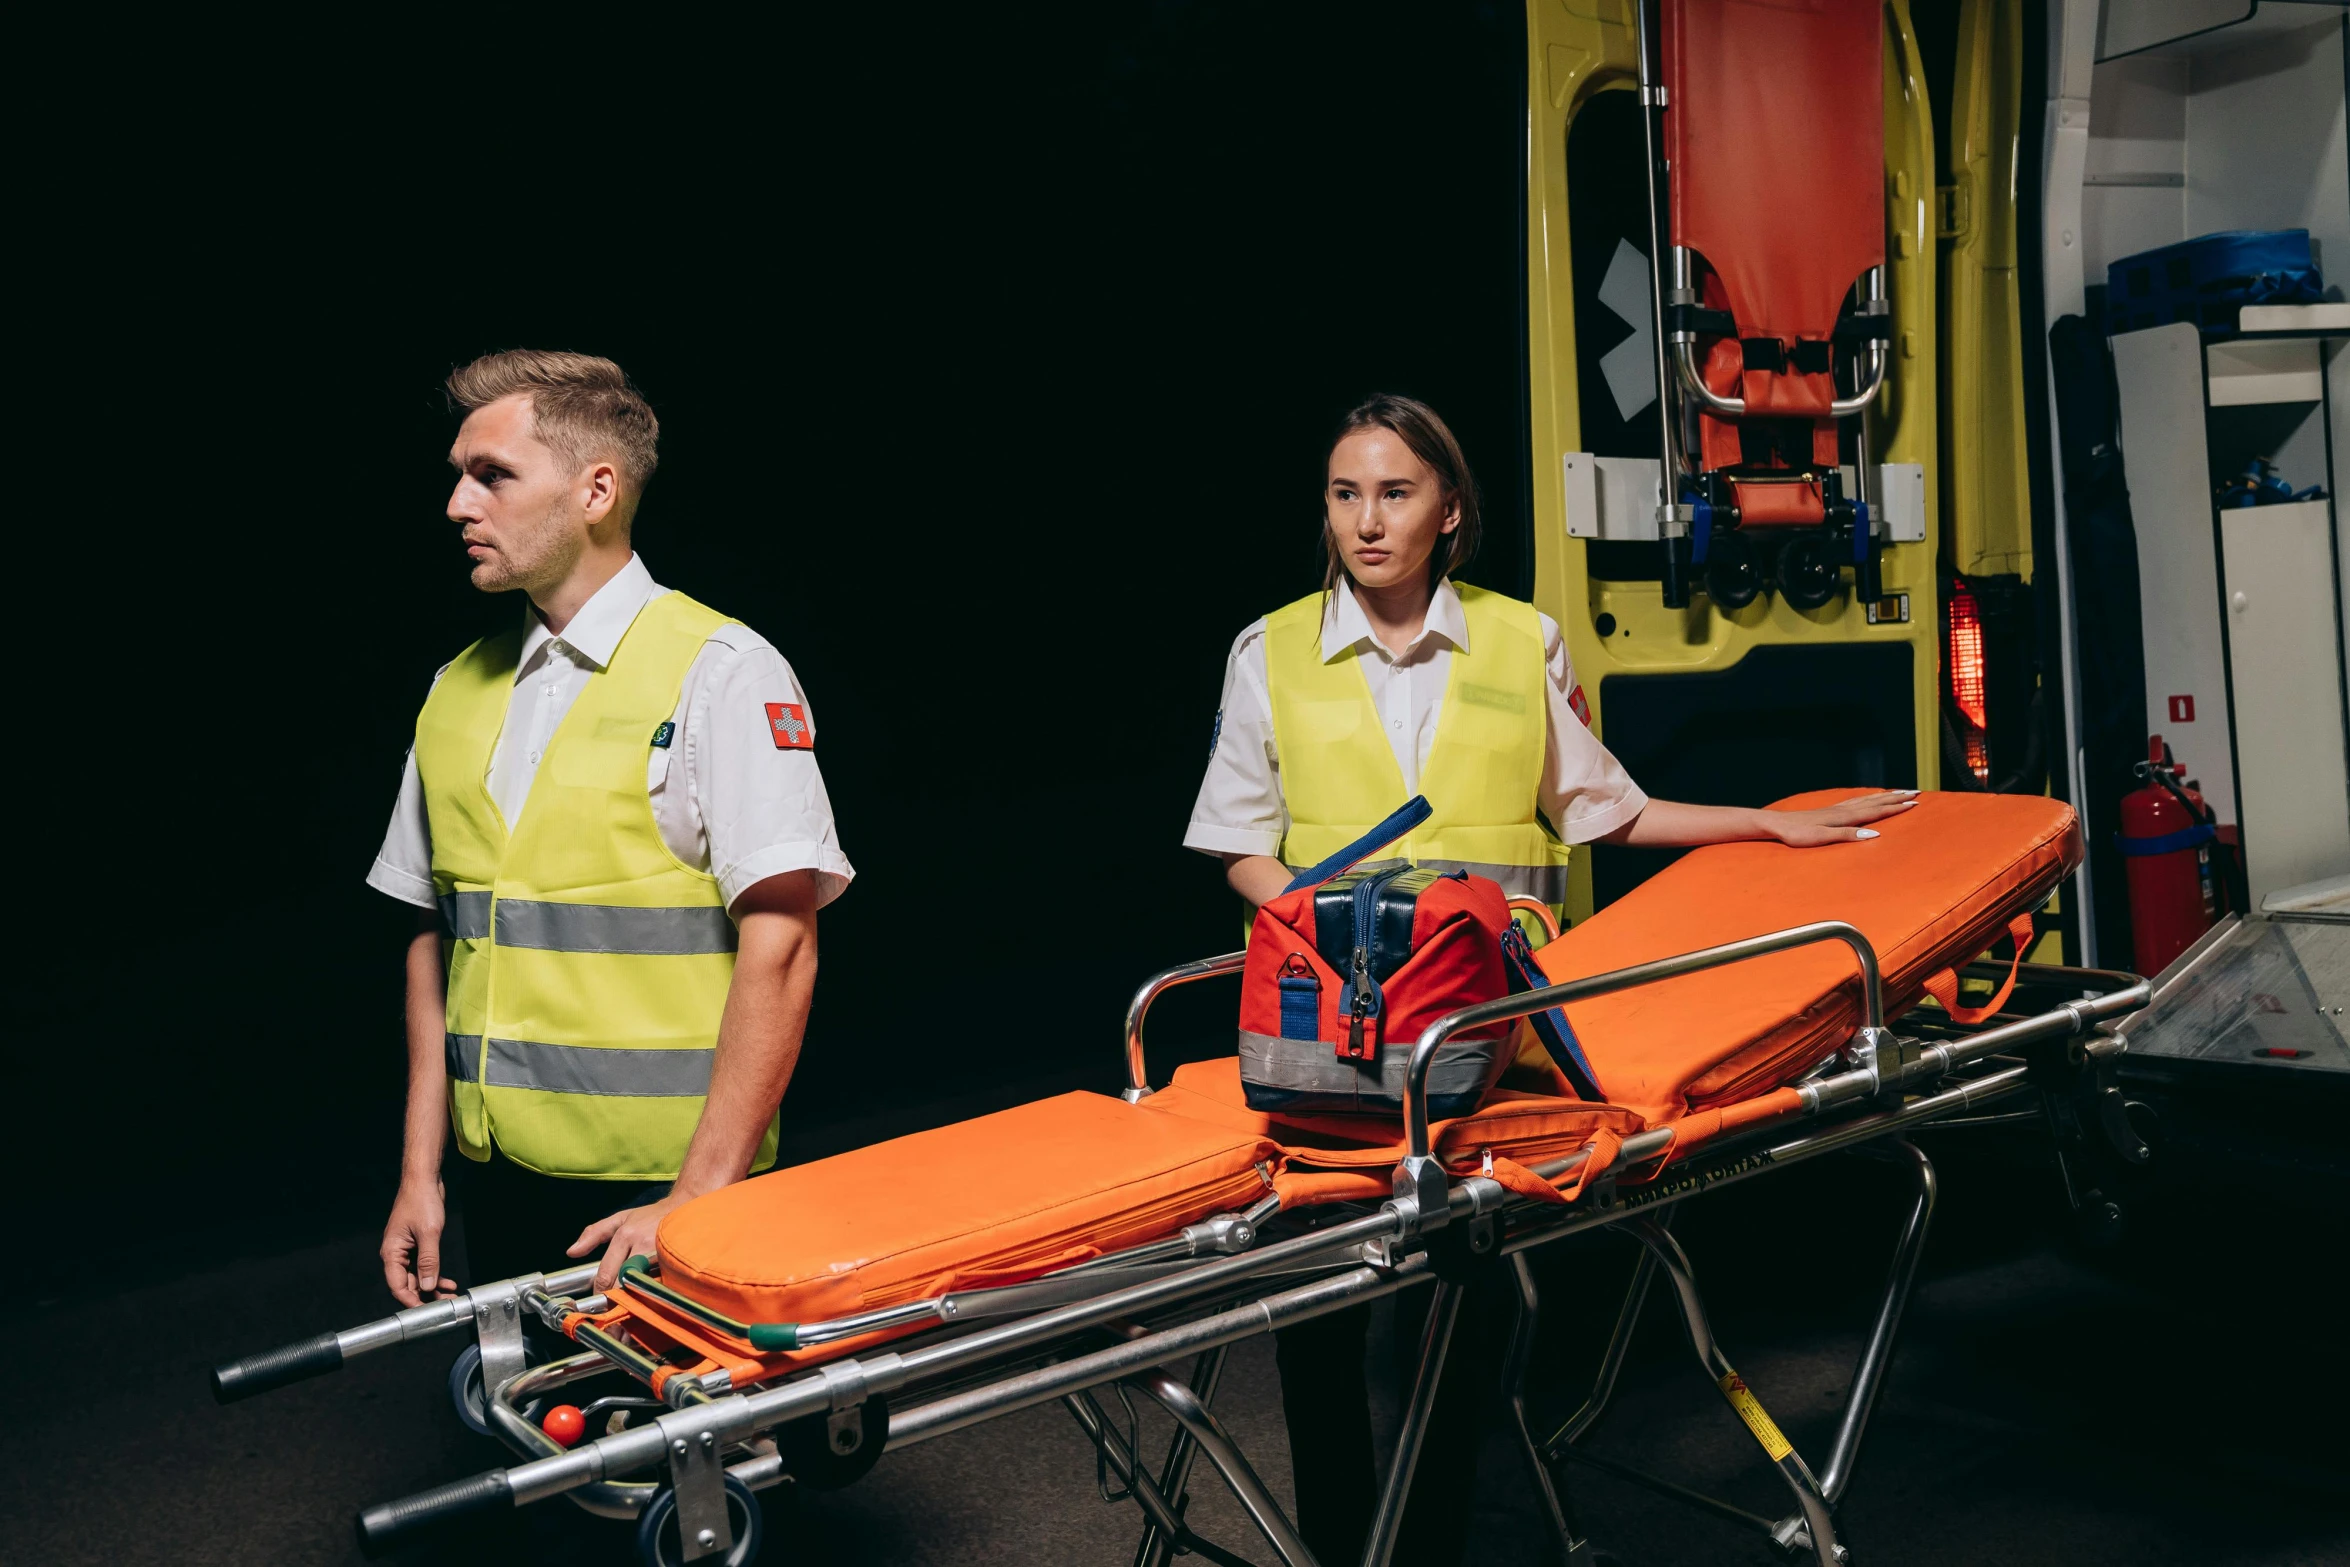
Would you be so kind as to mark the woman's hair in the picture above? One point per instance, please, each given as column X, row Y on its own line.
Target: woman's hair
column 1419, row 427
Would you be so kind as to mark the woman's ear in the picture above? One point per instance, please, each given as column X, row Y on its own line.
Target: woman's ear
column 1452, row 513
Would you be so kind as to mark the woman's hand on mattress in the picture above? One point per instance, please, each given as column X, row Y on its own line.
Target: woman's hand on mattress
column 1839, row 823
column 411, row 1249
column 623, row 1235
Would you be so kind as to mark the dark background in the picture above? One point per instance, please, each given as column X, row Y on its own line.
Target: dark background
column 994, row 370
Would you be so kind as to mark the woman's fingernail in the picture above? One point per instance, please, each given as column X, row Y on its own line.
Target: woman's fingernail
column 1910, row 792
column 1866, row 832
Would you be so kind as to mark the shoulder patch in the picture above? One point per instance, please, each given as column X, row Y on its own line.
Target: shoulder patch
column 1215, row 734
column 1581, row 705
column 788, row 722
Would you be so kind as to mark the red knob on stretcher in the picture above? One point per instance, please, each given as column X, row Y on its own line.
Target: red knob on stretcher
column 565, row 1424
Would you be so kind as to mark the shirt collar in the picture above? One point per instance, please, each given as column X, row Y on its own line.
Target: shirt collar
column 595, row 632
column 1345, row 628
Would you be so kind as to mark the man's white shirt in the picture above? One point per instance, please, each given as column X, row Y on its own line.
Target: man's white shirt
column 1584, row 792
column 726, row 798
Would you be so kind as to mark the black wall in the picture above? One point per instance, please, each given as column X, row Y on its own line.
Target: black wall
column 993, row 373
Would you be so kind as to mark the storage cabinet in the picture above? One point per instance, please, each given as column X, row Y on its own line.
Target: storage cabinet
column 2244, row 622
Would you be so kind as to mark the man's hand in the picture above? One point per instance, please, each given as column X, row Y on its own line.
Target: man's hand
column 1840, row 823
column 623, row 1235
column 411, row 1250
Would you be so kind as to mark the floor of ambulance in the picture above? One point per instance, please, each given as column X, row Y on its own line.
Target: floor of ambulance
column 2153, row 1406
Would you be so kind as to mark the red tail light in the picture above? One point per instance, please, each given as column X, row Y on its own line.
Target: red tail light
column 1966, row 678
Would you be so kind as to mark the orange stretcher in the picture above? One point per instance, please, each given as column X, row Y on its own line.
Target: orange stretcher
column 804, row 1322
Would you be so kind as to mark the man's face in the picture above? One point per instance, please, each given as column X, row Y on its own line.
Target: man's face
column 522, row 509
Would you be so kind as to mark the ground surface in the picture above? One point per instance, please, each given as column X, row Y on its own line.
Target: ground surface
column 2164, row 1405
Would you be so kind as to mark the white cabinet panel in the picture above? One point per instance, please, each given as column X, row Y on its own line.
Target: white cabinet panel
column 2160, row 372
column 2283, row 651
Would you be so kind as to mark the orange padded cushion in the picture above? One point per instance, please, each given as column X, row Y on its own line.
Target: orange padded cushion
column 1934, row 890
column 987, row 1201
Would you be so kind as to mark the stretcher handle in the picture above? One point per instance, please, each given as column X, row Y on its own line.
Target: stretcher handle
column 386, row 1525
column 1527, row 1002
column 1138, row 1082
column 276, row 1368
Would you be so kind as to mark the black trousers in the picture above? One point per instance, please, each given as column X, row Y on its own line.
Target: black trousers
column 1325, row 1396
column 519, row 1221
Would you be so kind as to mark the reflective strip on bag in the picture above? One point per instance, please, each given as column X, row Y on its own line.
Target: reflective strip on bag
column 603, row 927
column 610, row 1073
column 1543, row 883
column 466, row 914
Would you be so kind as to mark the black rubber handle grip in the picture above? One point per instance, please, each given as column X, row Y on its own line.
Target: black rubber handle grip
column 380, row 1528
column 313, row 1357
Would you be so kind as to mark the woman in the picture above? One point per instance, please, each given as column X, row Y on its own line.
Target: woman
column 1394, row 681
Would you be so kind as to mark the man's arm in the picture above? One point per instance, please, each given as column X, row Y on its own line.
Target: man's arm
column 411, row 1248
column 758, row 1046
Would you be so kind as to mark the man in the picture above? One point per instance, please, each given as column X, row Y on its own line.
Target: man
column 613, row 824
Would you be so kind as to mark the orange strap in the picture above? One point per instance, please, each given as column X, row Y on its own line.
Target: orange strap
column 1599, row 1154
column 1943, row 987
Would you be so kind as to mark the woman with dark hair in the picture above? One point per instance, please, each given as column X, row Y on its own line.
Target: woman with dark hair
column 1391, row 681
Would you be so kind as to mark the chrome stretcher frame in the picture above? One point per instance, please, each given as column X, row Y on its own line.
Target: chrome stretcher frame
column 1120, row 1321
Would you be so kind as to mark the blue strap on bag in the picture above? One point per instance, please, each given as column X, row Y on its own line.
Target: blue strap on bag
column 1401, row 820
column 1551, row 1026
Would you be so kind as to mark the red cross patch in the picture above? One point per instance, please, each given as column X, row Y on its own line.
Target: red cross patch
column 788, row 721
column 1575, row 700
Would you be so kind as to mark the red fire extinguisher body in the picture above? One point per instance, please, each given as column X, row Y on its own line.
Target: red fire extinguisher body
column 2167, row 846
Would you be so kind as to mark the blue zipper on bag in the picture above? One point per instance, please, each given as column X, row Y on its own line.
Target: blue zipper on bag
column 1360, row 999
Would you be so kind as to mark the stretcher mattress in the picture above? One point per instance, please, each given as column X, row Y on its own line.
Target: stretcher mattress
column 994, row 1200
column 1933, row 890
column 1009, row 1196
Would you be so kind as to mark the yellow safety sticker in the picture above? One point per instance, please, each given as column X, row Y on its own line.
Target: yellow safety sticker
column 1757, row 1420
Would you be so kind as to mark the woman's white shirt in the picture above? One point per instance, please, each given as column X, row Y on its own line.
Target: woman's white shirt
column 1584, row 791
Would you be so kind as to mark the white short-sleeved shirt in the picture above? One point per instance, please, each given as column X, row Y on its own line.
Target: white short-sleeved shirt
column 727, row 799
column 1584, row 791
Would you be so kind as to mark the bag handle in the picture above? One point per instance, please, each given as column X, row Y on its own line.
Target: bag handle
column 1401, row 820
column 1943, row 987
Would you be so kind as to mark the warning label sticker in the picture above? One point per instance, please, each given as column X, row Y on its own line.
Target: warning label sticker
column 1757, row 1420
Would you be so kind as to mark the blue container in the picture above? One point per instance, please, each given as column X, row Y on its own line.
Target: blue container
column 2205, row 281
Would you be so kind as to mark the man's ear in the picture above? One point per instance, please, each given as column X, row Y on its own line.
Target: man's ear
column 602, row 492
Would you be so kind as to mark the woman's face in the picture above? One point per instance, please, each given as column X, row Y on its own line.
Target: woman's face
column 1386, row 509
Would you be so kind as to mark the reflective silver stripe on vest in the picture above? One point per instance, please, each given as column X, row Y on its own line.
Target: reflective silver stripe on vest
column 467, row 914
column 465, row 1057
column 1546, row 883
column 601, row 927
column 582, row 1069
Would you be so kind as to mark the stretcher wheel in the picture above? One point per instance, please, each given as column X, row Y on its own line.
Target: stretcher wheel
column 826, row 1453
column 657, row 1542
column 465, row 1389
column 1808, row 574
column 1731, row 580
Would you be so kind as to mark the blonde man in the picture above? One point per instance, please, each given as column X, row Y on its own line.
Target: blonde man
column 614, row 826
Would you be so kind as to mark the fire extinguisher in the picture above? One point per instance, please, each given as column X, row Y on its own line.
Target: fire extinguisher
column 2167, row 836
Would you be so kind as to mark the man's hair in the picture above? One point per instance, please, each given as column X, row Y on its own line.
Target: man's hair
column 583, row 407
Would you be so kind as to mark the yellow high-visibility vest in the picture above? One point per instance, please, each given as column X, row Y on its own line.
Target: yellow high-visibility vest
column 588, row 966
column 1339, row 777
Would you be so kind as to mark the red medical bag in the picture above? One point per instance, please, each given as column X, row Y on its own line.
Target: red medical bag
column 1347, row 967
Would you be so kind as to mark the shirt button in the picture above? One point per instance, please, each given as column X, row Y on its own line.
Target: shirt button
column 1395, row 724
column 534, row 759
